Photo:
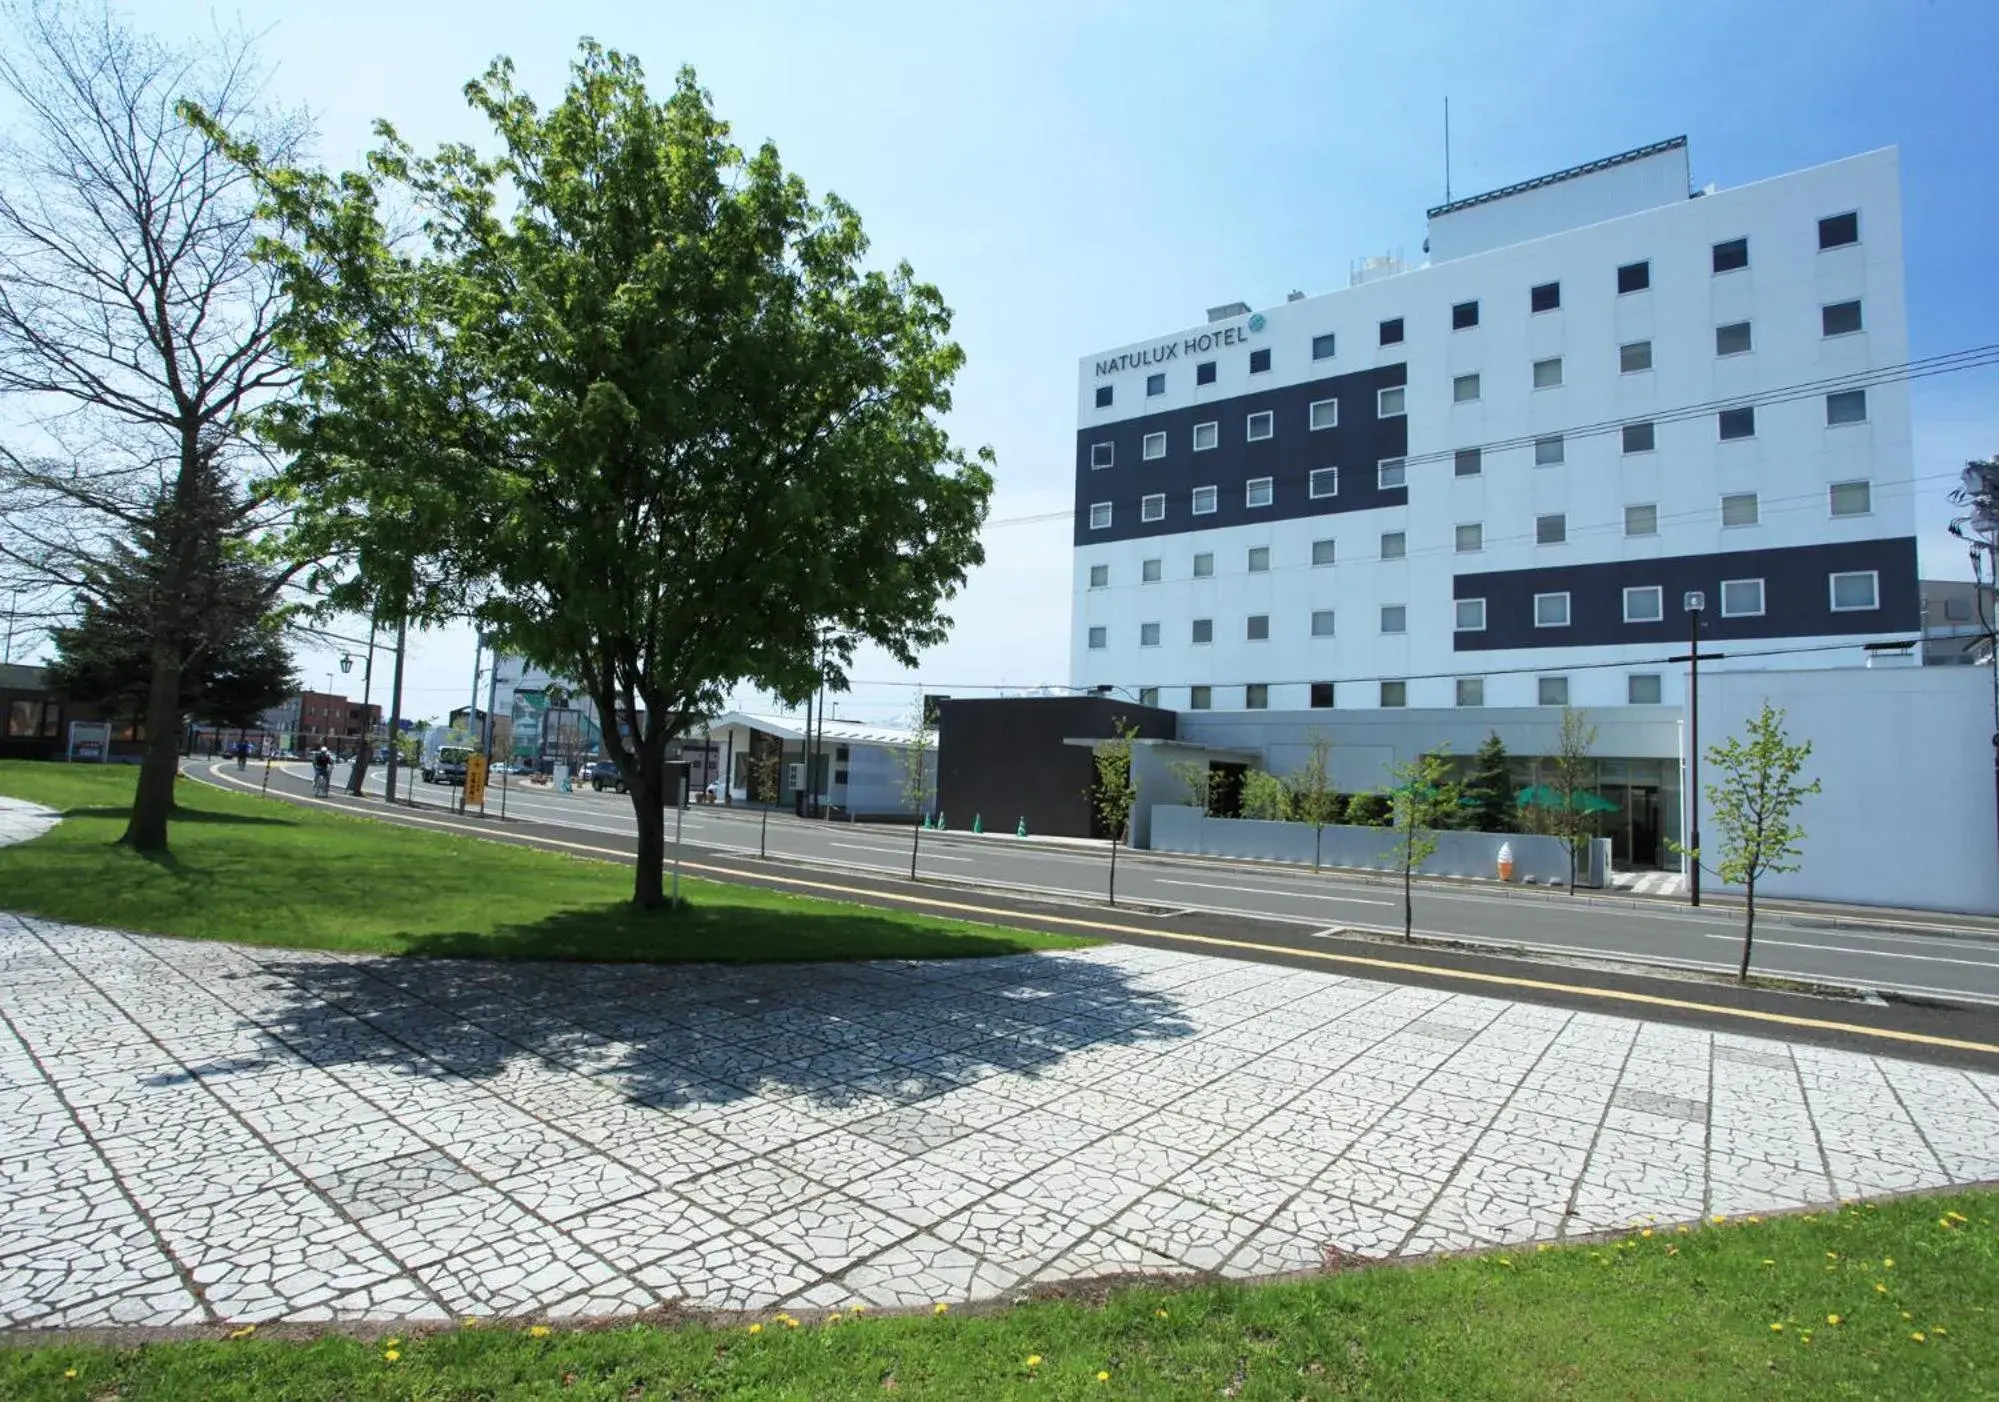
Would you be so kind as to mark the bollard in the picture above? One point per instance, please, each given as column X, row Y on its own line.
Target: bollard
column 940, row 820
column 978, row 826
column 1020, row 828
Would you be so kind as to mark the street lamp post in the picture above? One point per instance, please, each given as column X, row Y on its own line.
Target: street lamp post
column 1696, row 603
column 361, row 758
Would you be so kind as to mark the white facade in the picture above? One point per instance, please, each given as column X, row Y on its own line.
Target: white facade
column 1491, row 535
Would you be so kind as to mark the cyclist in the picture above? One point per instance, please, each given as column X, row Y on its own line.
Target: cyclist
column 322, row 772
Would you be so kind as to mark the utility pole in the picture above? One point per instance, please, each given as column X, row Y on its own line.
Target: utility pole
column 1696, row 604
column 486, row 737
column 13, row 607
column 360, row 774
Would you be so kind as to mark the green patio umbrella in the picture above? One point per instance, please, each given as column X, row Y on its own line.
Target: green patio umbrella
column 1541, row 796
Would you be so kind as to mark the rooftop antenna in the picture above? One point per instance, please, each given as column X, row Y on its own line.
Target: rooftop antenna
column 1447, row 149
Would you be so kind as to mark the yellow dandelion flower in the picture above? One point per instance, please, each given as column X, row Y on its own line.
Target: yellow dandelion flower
column 392, row 1343
column 1672, row 1251
column 1957, row 1217
column 537, row 1331
column 1504, row 1262
column 1103, row 1377
column 245, row 1332
column 472, row 1322
column 1646, row 1232
column 833, row 1318
column 69, row 1372
column 1832, row 1255
column 857, row 1309
column 1034, row 1360
column 1888, row 1263
column 1777, row 1328
column 1832, row 1319
column 1768, row 1262
column 790, row 1323
column 1544, row 1247
column 939, row 1308
column 1944, row 1222
column 1160, row 1313
column 1938, row 1329
column 391, row 1355
column 1718, row 1219
column 1907, row 1315
column 1754, row 1218
column 1880, row 1288
column 756, row 1328
column 1683, row 1229
column 1917, row 1336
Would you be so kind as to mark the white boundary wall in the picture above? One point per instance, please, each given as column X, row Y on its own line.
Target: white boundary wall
column 1178, row 828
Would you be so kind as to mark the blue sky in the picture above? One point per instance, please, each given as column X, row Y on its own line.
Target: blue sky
column 1079, row 176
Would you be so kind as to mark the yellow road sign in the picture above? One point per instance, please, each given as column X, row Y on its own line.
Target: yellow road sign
column 475, row 780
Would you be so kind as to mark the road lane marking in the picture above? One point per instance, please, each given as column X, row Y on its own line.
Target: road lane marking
column 990, row 915
column 1266, row 891
column 1762, row 940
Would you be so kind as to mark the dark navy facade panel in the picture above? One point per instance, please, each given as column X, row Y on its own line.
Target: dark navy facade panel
column 1797, row 597
column 1289, row 456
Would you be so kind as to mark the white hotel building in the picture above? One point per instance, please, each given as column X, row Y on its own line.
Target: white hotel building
column 1492, row 480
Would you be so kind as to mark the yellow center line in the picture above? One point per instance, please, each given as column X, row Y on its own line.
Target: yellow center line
column 993, row 914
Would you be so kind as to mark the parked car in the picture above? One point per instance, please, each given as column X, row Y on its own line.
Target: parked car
column 603, row 774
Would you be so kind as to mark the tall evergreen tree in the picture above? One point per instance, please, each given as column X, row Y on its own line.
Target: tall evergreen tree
column 1489, row 787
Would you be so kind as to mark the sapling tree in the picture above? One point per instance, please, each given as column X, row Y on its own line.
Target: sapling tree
column 1197, row 778
column 1573, row 772
column 1424, row 797
column 1114, row 793
column 1314, row 800
column 918, row 775
column 767, row 773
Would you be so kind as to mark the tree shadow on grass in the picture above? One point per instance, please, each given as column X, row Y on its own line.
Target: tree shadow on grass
column 186, row 815
column 885, row 1032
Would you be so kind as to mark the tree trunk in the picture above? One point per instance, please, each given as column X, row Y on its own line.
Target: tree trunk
column 763, row 833
column 1408, row 902
column 1748, row 926
column 1318, row 840
column 649, row 807
column 1113, row 887
column 153, row 803
column 915, row 841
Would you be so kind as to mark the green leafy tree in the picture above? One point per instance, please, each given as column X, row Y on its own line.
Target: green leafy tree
column 665, row 424
column 1114, row 792
column 1752, row 806
column 1489, row 787
column 1265, row 797
column 1368, row 810
column 1314, row 800
column 1196, row 777
column 1571, row 774
column 1423, row 799
column 917, row 772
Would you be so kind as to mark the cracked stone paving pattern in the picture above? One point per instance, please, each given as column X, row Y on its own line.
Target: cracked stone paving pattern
column 198, row 1132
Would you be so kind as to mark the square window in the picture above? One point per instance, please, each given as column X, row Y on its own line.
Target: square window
column 1322, row 623
column 1394, row 545
column 1467, row 462
column 1855, row 590
column 1738, row 423
column 1259, row 361
column 1200, row 698
column 1395, row 694
column 1471, row 538
column 1206, row 436
column 1155, row 384
column 1634, row 277
column 1104, row 396
column 1732, row 339
column 1742, row 598
column 1391, row 472
column 1100, row 516
column 1544, row 298
column 1551, row 610
column 1259, row 559
column 1391, row 331
column 1852, row 498
column 1204, row 565
column 1324, row 481
column 1204, row 373
column 1322, row 347
column 1325, row 413
column 1257, row 491
column 1261, row 425
column 1644, row 603
column 1394, row 618
column 1634, row 356
column 1322, row 696
column 1258, row 630
column 1551, row 530
column 1549, row 450
column 1552, row 691
column 1839, row 319
column 1153, row 507
column 1388, row 403
column 1256, row 696
column 1471, row 615
column 1638, row 438
column 1204, row 501
column 1148, row 696
column 1464, row 316
column 1731, row 255
column 1204, row 630
column 1471, row 691
column 1838, row 230
column 1739, row 509
column 1548, row 373
column 1102, row 454
column 1642, row 689
column 1148, row 635
column 1642, row 519
column 1148, row 571
column 1464, row 389
column 1100, row 576
column 1848, row 406
column 1322, row 552
column 1099, row 637
column 1154, row 446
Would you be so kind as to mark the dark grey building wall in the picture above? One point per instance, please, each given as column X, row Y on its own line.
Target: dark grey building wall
column 1003, row 759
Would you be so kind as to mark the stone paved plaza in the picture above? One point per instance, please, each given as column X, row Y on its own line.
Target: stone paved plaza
column 197, row 1132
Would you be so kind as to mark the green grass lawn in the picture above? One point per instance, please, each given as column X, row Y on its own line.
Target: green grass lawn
column 267, row 872
column 1891, row 1302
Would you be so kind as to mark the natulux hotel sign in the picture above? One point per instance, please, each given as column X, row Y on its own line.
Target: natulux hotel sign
column 1193, row 345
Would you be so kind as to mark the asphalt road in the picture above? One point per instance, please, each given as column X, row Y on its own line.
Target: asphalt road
column 1960, row 967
